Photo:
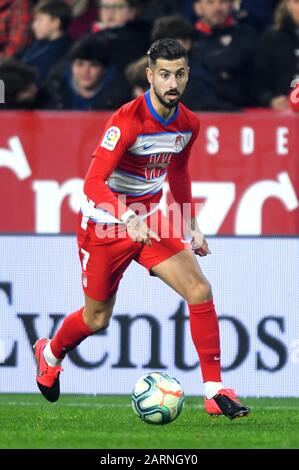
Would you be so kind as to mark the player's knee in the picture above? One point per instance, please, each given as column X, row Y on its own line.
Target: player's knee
column 97, row 320
column 199, row 292
column 100, row 322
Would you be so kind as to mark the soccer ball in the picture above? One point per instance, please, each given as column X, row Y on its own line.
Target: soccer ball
column 158, row 398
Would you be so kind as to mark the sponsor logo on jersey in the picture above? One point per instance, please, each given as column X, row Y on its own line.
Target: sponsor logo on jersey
column 111, row 138
column 157, row 164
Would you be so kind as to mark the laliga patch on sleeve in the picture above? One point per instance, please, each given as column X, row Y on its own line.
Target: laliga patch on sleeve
column 111, row 138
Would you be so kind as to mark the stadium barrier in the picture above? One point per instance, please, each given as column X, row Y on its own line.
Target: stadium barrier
column 245, row 167
column 255, row 283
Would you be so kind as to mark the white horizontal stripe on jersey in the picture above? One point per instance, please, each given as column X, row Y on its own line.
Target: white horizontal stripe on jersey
column 132, row 185
column 164, row 142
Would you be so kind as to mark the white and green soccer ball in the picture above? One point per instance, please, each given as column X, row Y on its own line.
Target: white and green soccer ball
column 158, row 398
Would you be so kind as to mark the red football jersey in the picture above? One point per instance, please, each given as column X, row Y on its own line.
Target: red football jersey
column 136, row 152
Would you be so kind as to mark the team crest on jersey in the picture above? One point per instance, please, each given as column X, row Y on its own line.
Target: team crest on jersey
column 111, row 138
column 178, row 145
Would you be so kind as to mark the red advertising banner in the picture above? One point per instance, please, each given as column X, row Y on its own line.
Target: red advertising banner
column 245, row 167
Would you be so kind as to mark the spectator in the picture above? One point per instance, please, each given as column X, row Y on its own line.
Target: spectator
column 226, row 49
column 277, row 61
column 136, row 76
column 200, row 93
column 174, row 27
column 115, row 14
column 89, row 82
column 84, row 15
column 120, row 25
column 19, row 81
column 237, row 13
column 14, row 26
column 51, row 20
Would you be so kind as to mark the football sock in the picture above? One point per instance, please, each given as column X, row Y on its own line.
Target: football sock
column 71, row 333
column 212, row 388
column 51, row 360
column 205, row 335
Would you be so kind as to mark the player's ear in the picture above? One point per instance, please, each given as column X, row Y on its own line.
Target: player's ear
column 188, row 71
column 149, row 75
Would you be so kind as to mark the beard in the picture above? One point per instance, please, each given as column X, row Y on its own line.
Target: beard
column 163, row 99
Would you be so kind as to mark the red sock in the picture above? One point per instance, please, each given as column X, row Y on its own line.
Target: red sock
column 205, row 335
column 72, row 331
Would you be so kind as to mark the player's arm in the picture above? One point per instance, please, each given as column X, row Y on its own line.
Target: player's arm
column 114, row 143
column 109, row 151
column 180, row 186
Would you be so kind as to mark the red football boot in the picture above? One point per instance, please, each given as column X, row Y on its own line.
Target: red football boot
column 47, row 377
column 226, row 403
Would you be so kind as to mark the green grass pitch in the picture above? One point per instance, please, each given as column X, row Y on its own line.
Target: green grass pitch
column 108, row 422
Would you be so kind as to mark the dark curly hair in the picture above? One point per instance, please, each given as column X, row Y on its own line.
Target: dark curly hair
column 167, row 49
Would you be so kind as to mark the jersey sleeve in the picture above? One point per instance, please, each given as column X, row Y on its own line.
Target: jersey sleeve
column 178, row 174
column 119, row 134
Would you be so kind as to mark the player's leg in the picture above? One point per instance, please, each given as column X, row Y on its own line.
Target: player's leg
column 103, row 261
column 182, row 272
column 76, row 327
column 97, row 314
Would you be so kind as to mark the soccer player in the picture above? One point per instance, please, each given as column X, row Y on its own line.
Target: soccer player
column 145, row 140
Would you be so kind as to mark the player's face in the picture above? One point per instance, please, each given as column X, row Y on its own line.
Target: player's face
column 86, row 74
column 215, row 12
column 293, row 7
column 114, row 13
column 168, row 79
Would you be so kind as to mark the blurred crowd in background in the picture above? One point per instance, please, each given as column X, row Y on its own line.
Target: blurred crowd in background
column 91, row 54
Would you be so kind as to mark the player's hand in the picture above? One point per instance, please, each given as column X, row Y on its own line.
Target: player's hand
column 139, row 231
column 200, row 250
column 198, row 243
